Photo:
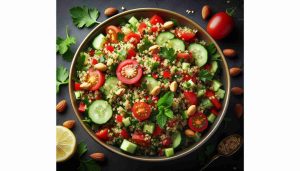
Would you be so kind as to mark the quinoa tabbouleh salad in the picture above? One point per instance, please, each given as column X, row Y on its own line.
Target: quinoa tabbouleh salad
column 150, row 87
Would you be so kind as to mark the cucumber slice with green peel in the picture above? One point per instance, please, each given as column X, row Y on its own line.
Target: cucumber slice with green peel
column 78, row 94
column 100, row 111
column 211, row 118
column 169, row 152
column 110, row 85
column 151, row 83
column 128, row 146
column 164, row 37
column 99, row 41
column 199, row 53
column 133, row 21
column 206, row 103
column 214, row 67
column 149, row 128
column 176, row 139
column 177, row 45
column 220, row 94
column 201, row 92
column 126, row 122
column 185, row 65
column 216, row 85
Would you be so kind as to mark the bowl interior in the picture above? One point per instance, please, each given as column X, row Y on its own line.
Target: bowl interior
column 166, row 14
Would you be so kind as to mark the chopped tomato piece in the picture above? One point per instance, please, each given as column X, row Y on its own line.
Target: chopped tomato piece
column 155, row 75
column 132, row 38
column 198, row 122
column 156, row 57
column 214, row 111
column 113, row 32
column 129, row 71
column 96, row 78
column 82, row 107
column 92, row 52
column 142, row 27
column 184, row 56
column 184, row 34
column 94, row 61
column 77, row 86
column 157, row 131
column 187, row 77
column 211, row 96
column 154, row 29
column 124, row 134
column 141, row 111
column 207, row 67
column 119, row 118
column 166, row 142
column 139, row 138
column 156, row 19
column 131, row 53
column 191, row 97
column 110, row 48
column 166, row 74
column 102, row 134
column 154, row 98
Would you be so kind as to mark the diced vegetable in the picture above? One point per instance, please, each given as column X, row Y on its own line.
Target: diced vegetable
column 126, row 121
column 149, row 128
column 128, row 146
column 169, row 152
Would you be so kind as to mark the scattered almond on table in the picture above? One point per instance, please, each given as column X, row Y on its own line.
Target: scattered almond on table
column 206, row 11
column 238, row 110
column 97, row 156
column 229, row 53
column 237, row 90
column 69, row 124
column 61, row 106
column 234, row 71
column 110, row 11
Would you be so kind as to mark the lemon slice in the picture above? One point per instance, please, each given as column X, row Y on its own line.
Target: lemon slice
column 65, row 143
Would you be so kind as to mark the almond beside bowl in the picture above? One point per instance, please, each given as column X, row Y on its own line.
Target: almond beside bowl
column 167, row 15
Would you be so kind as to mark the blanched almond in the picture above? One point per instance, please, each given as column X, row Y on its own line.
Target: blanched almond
column 168, row 24
column 85, row 85
column 205, row 12
column 100, row 67
column 69, row 124
column 173, row 86
column 155, row 91
column 229, row 52
column 234, row 71
column 191, row 110
column 237, row 90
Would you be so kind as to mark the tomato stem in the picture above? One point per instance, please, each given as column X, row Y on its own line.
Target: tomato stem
column 231, row 11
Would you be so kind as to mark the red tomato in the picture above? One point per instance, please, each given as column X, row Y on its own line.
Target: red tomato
column 142, row 27
column 92, row 52
column 211, row 96
column 198, row 122
column 119, row 118
column 156, row 19
column 124, row 134
column 220, row 25
column 94, row 61
column 97, row 79
column 166, row 74
column 184, row 35
column 110, row 48
column 207, row 67
column 132, row 38
column 113, row 32
column 139, row 138
column 191, row 97
column 129, row 71
column 82, row 107
column 77, row 86
column 214, row 111
column 184, row 56
column 154, row 29
column 156, row 57
column 187, row 77
column 157, row 131
column 166, row 142
column 102, row 134
column 154, row 98
column 155, row 75
column 131, row 53
column 141, row 111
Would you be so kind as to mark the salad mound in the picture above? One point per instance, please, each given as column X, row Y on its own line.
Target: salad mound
column 150, row 87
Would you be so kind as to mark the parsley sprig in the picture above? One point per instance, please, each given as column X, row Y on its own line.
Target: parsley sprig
column 205, row 76
column 167, row 53
column 212, row 51
column 84, row 16
column 85, row 164
column 63, row 46
column 164, row 104
column 62, row 76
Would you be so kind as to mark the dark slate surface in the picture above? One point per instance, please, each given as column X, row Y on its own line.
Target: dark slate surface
column 190, row 162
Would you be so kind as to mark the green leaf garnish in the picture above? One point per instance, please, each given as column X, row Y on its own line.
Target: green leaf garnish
column 88, row 165
column 164, row 104
column 205, row 76
column 121, row 36
column 83, row 16
column 63, row 46
column 213, row 53
column 167, row 53
column 161, row 119
column 145, row 46
column 166, row 100
column 81, row 149
column 62, row 75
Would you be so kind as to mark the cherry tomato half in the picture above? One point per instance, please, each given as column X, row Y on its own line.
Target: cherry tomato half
column 77, row 86
column 139, row 138
column 220, row 25
column 198, row 122
column 132, row 38
column 184, row 56
column 142, row 27
column 157, row 131
column 141, row 111
column 82, row 107
column 191, row 97
column 131, row 53
column 129, row 71
column 102, row 134
column 156, row 19
column 113, row 32
column 96, row 78
column 184, row 34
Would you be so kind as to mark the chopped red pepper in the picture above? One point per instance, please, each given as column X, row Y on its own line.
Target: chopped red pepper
column 82, row 107
column 211, row 96
column 166, row 74
column 110, row 48
column 94, row 61
column 77, row 86
column 142, row 27
column 119, row 118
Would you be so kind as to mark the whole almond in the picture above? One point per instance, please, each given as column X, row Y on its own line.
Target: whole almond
column 238, row 110
column 234, row 71
column 237, row 90
column 110, row 11
column 229, row 53
column 189, row 133
column 205, row 12
column 69, row 124
column 61, row 106
column 98, row 156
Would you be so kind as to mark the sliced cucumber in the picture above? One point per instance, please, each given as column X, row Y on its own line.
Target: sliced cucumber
column 99, row 41
column 149, row 128
column 185, row 65
column 211, row 118
column 177, row 45
column 201, row 92
column 100, row 111
column 110, row 85
column 176, row 139
column 214, row 67
column 216, row 85
column 128, row 146
column 199, row 53
column 220, row 94
column 78, row 94
column 126, row 122
column 164, row 37
column 133, row 21
column 151, row 83
column 205, row 103
column 169, row 152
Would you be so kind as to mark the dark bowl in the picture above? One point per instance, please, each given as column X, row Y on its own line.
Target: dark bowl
column 148, row 12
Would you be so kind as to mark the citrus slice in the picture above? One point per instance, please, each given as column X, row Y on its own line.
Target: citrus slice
column 65, row 143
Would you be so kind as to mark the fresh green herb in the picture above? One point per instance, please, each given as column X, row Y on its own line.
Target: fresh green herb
column 164, row 104
column 102, row 59
column 145, row 46
column 63, row 46
column 175, row 22
column 167, row 53
column 80, row 62
column 83, row 16
column 154, row 66
column 212, row 51
column 205, row 76
column 121, row 36
column 62, row 75
column 81, row 149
